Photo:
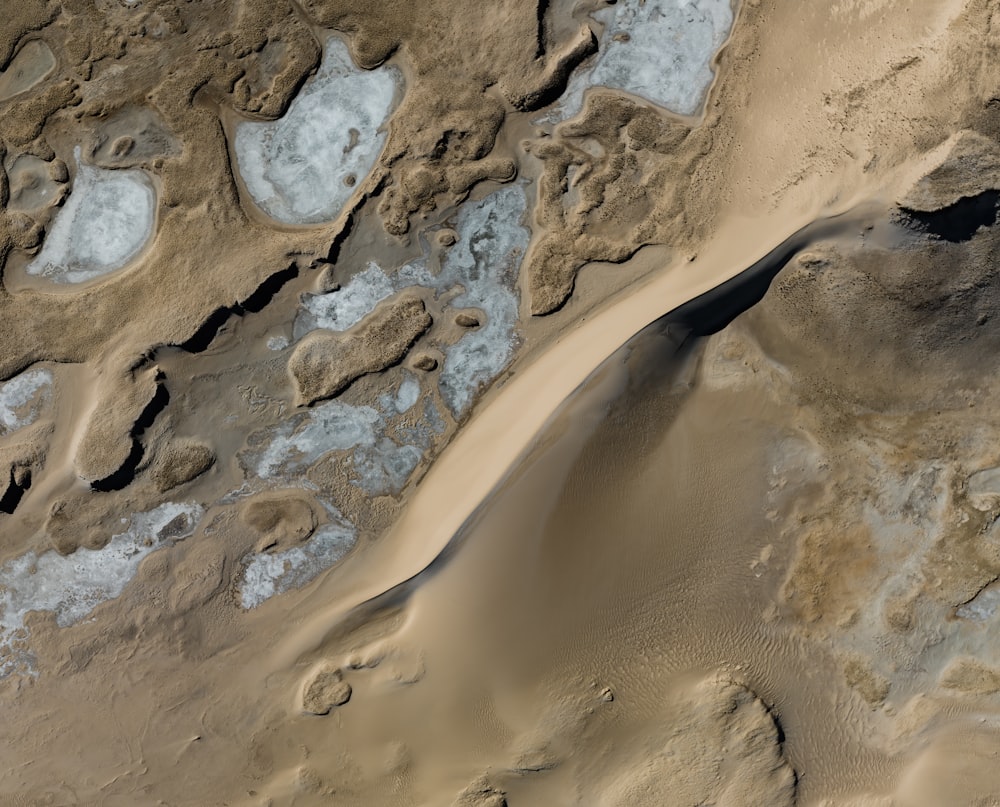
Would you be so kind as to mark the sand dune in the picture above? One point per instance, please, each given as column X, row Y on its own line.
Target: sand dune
column 537, row 403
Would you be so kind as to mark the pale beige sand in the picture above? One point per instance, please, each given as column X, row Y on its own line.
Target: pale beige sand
column 725, row 570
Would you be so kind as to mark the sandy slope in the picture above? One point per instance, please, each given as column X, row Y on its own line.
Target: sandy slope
column 724, row 566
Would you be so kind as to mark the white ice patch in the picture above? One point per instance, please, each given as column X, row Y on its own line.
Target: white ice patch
column 277, row 343
column 984, row 488
column 382, row 465
column 385, row 466
column 302, row 169
column 71, row 586
column 408, row 395
column 22, row 399
column 981, row 607
column 267, row 574
column 660, row 50
column 107, row 220
column 485, row 262
column 341, row 309
column 300, row 441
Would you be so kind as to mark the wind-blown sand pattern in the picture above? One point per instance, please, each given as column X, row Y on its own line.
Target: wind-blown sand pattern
column 544, row 403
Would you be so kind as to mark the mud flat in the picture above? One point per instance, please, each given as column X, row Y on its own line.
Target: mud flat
column 32, row 63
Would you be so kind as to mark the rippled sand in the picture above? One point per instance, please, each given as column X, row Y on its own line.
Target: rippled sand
column 541, row 403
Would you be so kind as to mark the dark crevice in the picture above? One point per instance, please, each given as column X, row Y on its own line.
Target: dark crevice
column 979, row 591
column 255, row 303
column 266, row 291
column 714, row 310
column 126, row 473
column 149, row 413
column 542, row 9
column 777, row 725
column 12, row 496
column 203, row 337
column 958, row 222
column 552, row 85
column 341, row 237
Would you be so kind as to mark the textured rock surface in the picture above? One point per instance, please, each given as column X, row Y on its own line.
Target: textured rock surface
column 306, row 434
column 323, row 364
column 326, row 690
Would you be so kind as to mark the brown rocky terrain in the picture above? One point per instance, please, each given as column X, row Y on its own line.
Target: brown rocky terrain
column 612, row 455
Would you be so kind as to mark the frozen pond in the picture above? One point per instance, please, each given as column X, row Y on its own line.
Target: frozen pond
column 483, row 264
column 107, row 220
column 71, row 586
column 660, row 50
column 346, row 307
column 31, row 185
column 303, row 168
